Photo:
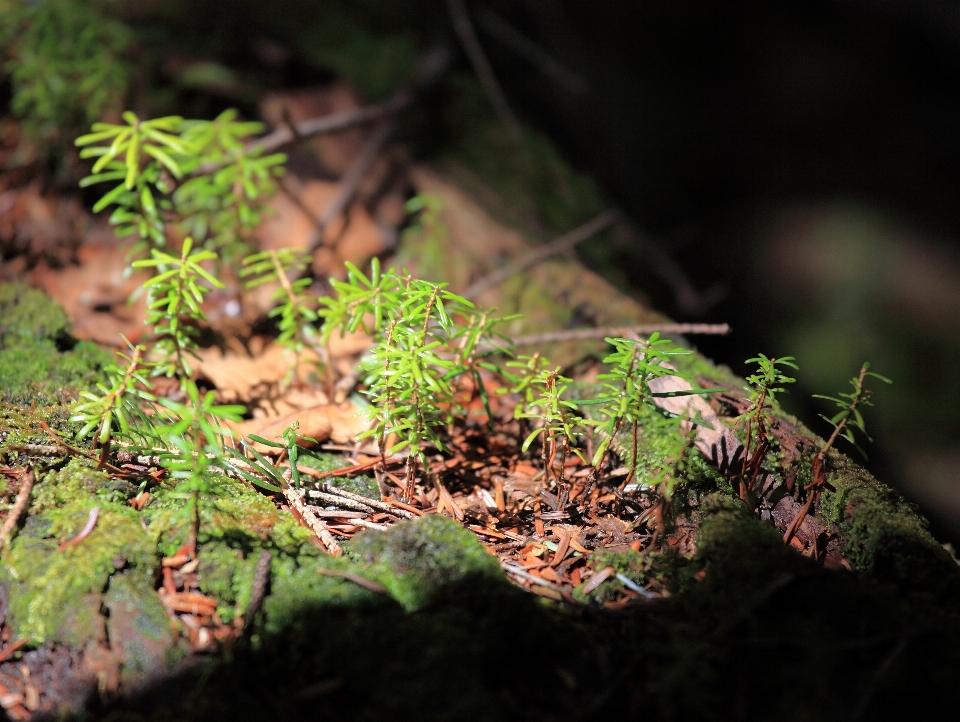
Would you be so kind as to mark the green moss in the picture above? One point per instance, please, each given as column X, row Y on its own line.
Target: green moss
column 50, row 590
column 415, row 559
column 38, row 380
column 27, row 314
column 138, row 627
column 226, row 574
column 234, row 513
column 880, row 533
column 297, row 586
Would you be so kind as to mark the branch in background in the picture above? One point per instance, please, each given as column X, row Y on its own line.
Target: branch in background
column 685, row 295
column 431, row 66
column 352, row 178
column 583, row 334
column 526, row 48
column 481, row 66
column 562, row 244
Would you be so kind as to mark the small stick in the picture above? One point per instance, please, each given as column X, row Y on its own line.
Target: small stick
column 261, row 577
column 481, row 66
column 85, row 532
column 355, row 578
column 11, row 648
column 386, row 506
column 313, row 522
column 323, row 125
column 584, row 334
column 75, row 450
column 340, row 501
column 347, row 470
column 26, row 484
column 36, row 449
column 562, row 244
column 598, row 579
column 524, row 47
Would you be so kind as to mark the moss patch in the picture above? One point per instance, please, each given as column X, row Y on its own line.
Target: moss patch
column 30, row 315
column 415, row 559
column 50, row 591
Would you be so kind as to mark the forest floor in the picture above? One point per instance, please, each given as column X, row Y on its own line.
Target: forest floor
column 487, row 595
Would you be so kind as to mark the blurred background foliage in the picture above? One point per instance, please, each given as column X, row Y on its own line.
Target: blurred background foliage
column 799, row 163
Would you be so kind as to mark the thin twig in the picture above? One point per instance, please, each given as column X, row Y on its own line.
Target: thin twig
column 261, row 577
column 85, row 532
column 339, row 501
column 481, row 66
column 562, row 244
column 687, row 298
column 375, row 503
column 75, row 450
column 37, row 449
column 355, row 578
column 312, row 521
column 298, row 202
column 352, row 178
column 887, row 663
column 26, row 484
column 583, row 334
column 526, row 48
column 323, row 125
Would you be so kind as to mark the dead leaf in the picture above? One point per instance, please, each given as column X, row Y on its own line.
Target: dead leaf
column 339, row 423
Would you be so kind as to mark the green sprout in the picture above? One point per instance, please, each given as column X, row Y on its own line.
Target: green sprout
column 559, row 424
column 175, row 296
column 626, row 390
column 193, row 436
column 197, row 175
column 294, row 308
column 765, row 383
column 849, row 418
column 117, row 408
column 844, row 422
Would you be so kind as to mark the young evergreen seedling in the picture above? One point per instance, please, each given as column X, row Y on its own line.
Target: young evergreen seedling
column 559, row 423
column 118, row 408
column 295, row 307
column 766, row 382
column 626, row 389
column 175, row 295
column 844, row 423
column 197, row 175
column 194, row 439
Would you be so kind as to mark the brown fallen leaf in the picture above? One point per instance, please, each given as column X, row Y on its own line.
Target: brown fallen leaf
column 95, row 293
column 339, row 423
column 237, row 374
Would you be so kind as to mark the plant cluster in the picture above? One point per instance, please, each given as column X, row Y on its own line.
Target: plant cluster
column 429, row 341
column 434, row 353
column 66, row 64
column 181, row 178
column 765, row 383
